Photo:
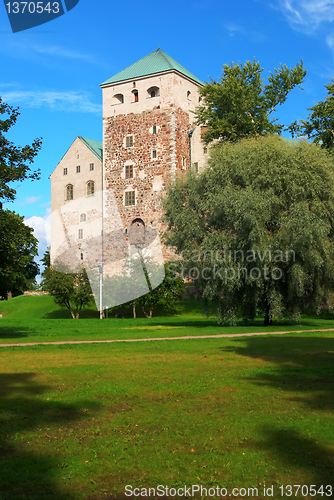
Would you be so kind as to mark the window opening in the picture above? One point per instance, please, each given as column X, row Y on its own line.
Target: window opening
column 129, row 141
column 129, row 198
column 90, row 188
column 129, row 171
column 69, row 192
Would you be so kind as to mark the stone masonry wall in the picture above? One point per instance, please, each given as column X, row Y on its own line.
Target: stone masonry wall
column 151, row 175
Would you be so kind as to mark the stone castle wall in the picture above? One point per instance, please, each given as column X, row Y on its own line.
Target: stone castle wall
column 150, row 175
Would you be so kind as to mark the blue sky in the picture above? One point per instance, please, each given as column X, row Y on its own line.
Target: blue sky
column 52, row 72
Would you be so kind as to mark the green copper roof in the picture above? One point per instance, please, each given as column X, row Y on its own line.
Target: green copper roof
column 156, row 62
column 95, row 146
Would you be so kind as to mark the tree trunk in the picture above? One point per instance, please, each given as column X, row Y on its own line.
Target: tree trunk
column 134, row 309
column 145, row 313
column 72, row 313
column 268, row 318
column 151, row 311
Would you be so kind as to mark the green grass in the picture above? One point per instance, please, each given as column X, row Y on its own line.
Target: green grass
column 81, row 422
column 38, row 319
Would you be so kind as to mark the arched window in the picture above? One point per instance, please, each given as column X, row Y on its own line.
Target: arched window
column 90, row 188
column 135, row 96
column 153, row 92
column 69, row 192
column 189, row 95
column 118, row 99
column 82, row 217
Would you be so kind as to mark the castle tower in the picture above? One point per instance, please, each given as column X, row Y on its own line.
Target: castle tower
column 148, row 135
column 106, row 199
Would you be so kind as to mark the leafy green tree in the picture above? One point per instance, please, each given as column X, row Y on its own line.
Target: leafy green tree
column 240, row 105
column 69, row 290
column 319, row 127
column 15, row 161
column 18, row 246
column 166, row 294
column 256, row 228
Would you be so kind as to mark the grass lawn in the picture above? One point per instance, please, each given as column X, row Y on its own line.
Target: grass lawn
column 38, row 319
column 84, row 421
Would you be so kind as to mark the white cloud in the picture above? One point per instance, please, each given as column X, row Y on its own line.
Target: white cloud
column 330, row 40
column 56, row 50
column 30, row 200
column 235, row 29
column 70, row 101
column 306, row 15
column 42, row 231
column 25, row 48
column 40, row 226
column 46, row 204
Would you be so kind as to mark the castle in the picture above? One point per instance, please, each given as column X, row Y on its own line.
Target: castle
column 149, row 138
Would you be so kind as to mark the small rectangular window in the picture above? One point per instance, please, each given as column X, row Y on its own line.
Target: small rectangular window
column 78, row 169
column 129, row 198
column 80, row 234
column 154, row 129
column 154, row 153
column 129, row 141
column 65, row 171
column 128, row 171
column 91, row 166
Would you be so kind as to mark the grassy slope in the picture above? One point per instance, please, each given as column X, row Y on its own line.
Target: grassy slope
column 27, row 319
column 81, row 422
column 37, row 307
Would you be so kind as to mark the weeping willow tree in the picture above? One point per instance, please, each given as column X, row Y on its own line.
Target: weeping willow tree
column 256, row 228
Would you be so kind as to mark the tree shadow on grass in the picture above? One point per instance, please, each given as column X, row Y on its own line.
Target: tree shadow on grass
column 65, row 314
column 26, row 471
column 13, row 332
column 314, row 462
column 304, row 366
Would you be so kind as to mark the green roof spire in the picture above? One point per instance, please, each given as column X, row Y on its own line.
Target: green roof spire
column 156, row 62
